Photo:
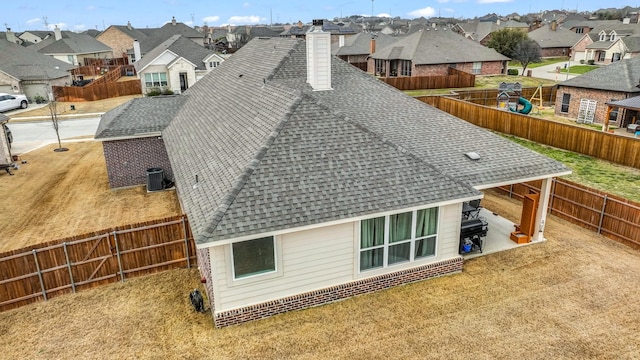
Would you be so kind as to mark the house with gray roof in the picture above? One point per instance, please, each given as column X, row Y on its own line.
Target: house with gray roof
column 72, row 47
column 120, row 38
column 554, row 40
column 608, row 42
column 480, row 31
column 175, row 64
column 432, row 52
column 589, row 93
column 356, row 49
column 23, row 70
column 303, row 188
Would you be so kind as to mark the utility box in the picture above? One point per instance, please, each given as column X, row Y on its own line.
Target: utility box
column 155, row 179
column 5, row 142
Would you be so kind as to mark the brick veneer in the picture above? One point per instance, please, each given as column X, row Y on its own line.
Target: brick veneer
column 118, row 41
column 335, row 293
column 577, row 94
column 488, row 68
column 128, row 160
column 204, row 266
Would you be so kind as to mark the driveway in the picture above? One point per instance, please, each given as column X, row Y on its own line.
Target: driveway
column 549, row 71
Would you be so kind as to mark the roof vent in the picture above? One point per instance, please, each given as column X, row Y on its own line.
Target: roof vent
column 472, row 155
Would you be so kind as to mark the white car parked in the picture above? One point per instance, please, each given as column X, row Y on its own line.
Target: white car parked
column 10, row 102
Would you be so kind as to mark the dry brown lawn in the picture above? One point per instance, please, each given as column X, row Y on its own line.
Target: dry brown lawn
column 81, row 107
column 61, row 194
column 572, row 297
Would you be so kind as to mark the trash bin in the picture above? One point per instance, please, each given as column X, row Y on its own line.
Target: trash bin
column 529, row 73
column 155, row 177
column 73, row 107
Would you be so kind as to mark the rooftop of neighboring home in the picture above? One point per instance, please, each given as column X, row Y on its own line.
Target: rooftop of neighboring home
column 27, row 64
column 68, row 42
column 437, row 46
column 180, row 46
column 275, row 153
column 360, row 44
column 478, row 30
column 619, row 76
column 554, row 36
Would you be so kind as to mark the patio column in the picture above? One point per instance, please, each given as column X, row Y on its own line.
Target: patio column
column 543, row 205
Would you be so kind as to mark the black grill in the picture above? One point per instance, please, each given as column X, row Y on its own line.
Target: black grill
column 471, row 233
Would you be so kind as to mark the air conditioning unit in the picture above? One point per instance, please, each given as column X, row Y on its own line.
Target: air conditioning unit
column 155, row 178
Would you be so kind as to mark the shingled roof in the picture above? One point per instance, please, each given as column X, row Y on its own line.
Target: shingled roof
column 70, row 43
column 180, row 46
column 360, row 44
column 26, row 64
column 546, row 38
column 437, row 46
column 254, row 149
column 623, row 76
column 139, row 117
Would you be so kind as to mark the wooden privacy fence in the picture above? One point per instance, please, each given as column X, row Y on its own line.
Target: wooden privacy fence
column 488, row 97
column 72, row 264
column 455, row 79
column 614, row 148
column 97, row 91
column 606, row 214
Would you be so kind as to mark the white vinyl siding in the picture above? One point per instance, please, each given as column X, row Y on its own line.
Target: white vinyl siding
column 312, row 259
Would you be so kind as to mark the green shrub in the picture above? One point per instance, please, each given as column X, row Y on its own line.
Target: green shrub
column 154, row 92
column 591, row 62
column 582, row 61
column 167, row 92
column 512, row 72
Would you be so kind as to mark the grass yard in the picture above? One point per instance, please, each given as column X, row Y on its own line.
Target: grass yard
column 545, row 61
column 81, row 107
column 572, row 297
column 487, row 82
column 60, row 194
column 578, row 69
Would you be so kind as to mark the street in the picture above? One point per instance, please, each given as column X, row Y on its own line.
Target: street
column 28, row 136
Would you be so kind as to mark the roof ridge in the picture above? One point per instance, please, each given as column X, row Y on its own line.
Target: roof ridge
column 249, row 168
column 284, row 59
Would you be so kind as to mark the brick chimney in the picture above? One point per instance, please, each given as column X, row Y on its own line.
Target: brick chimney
column 11, row 37
column 372, row 46
column 57, row 33
column 554, row 25
column 318, row 57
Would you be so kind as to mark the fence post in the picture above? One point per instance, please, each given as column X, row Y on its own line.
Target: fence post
column 186, row 243
column 115, row 238
column 66, row 255
column 553, row 192
column 604, row 204
column 44, row 292
column 510, row 191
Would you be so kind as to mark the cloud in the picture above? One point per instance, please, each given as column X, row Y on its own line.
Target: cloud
column 79, row 28
column 91, row 8
column 426, row 12
column 246, row 5
column 384, row 15
column 33, row 21
column 211, row 19
column 188, row 23
column 243, row 20
column 442, row 1
column 493, row 1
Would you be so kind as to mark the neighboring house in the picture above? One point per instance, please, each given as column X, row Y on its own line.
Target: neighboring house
column 554, row 41
column 120, row 38
column 11, row 37
column 480, row 31
column 156, row 36
column 432, row 52
column 356, row 49
column 175, row 65
column 131, row 139
column 607, row 43
column 35, row 36
column 23, row 70
column 302, row 187
column 72, row 48
column 585, row 96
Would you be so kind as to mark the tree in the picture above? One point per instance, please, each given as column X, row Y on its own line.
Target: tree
column 53, row 111
column 526, row 52
column 504, row 41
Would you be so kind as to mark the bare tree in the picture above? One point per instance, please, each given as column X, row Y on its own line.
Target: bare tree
column 527, row 51
column 53, row 111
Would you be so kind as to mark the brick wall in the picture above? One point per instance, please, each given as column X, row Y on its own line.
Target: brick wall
column 577, row 94
column 555, row 52
column 335, row 293
column 118, row 41
column 128, row 160
column 488, row 68
column 204, row 266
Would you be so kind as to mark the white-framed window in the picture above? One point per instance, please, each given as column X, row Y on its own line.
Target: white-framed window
column 155, row 79
column 612, row 36
column 477, row 68
column 603, row 35
column 253, row 257
column 70, row 59
column 398, row 238
column 214, row 64
column 380, row 67
column 405, row 67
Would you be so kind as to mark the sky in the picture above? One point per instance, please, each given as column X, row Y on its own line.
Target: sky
column 80, row 15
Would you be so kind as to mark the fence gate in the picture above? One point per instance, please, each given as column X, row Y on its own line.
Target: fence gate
column 587, row 111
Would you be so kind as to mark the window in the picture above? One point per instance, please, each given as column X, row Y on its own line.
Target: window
column 405, row 67
column 601, row 56
column 566, row 98
column 155, row 79
column 616, row 57
column 579, row 30
column 613, row 115
column 380, row 67
column 398, row 238
column 214, row 64
column 612, row 36
column 70, row 59
column 603, row 36
column 477, row 68
column 253, row 257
